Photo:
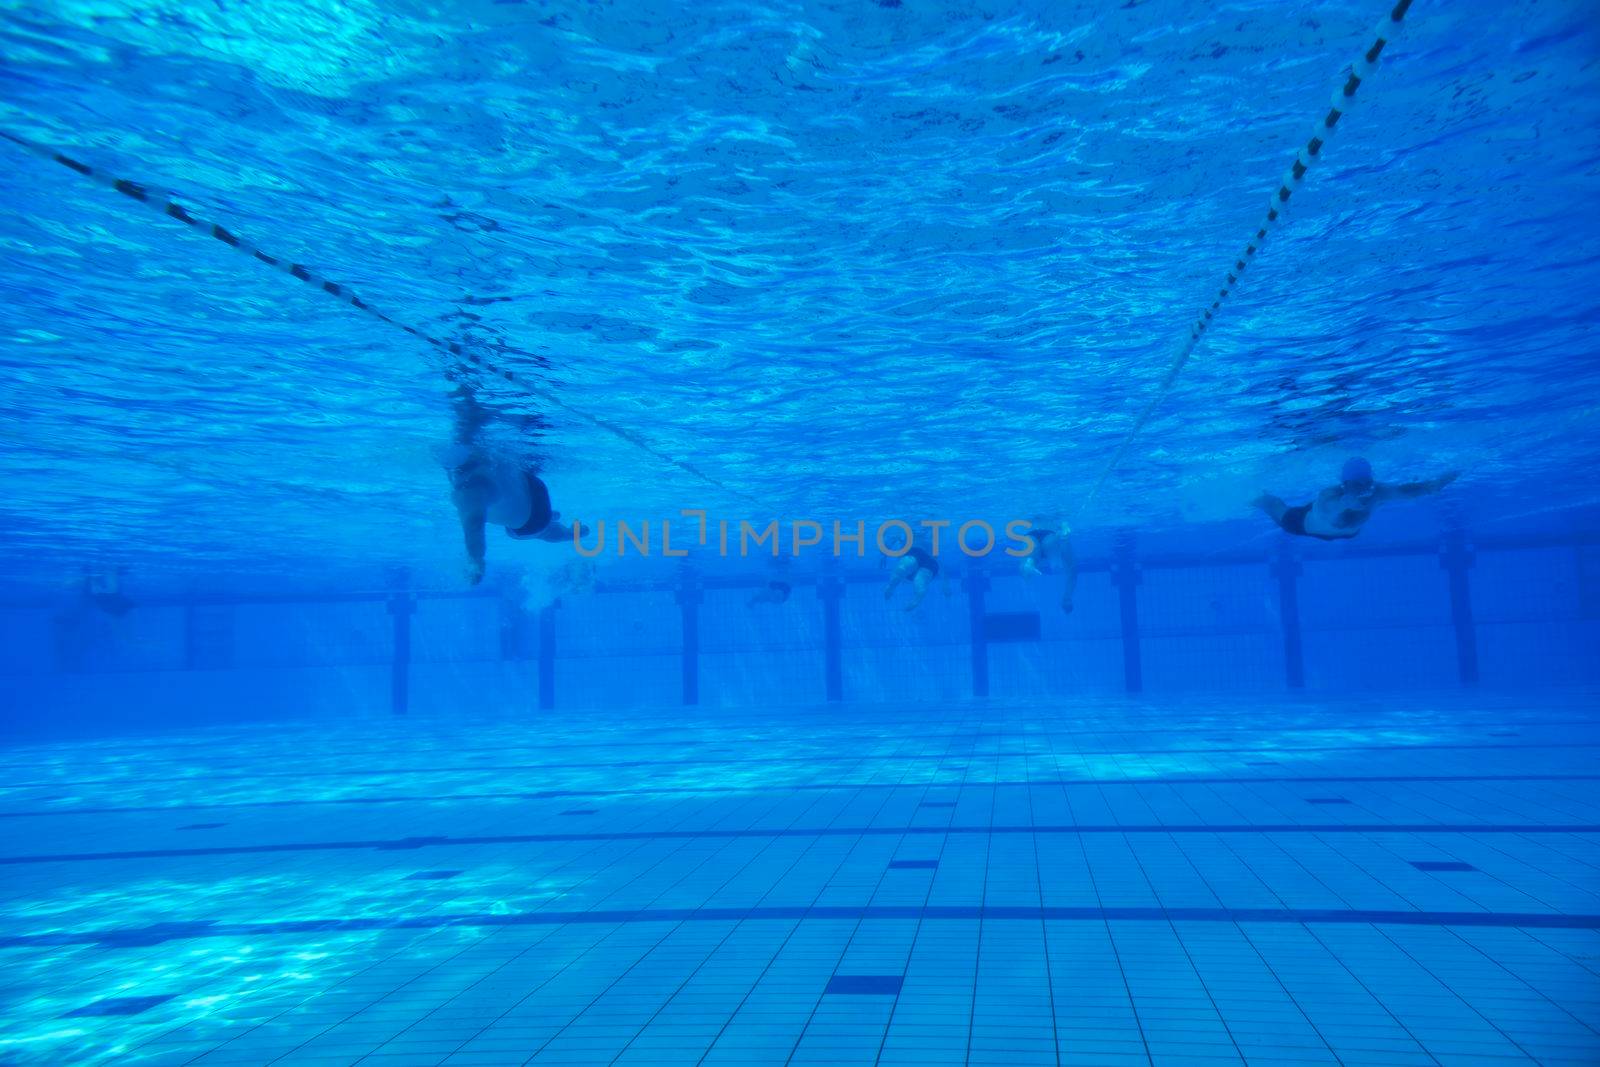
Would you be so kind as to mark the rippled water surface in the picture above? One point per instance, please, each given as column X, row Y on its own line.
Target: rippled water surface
column 848, row 259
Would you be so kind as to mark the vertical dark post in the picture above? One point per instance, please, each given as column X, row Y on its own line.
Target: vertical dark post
column 1125, row 576
column 69, row 643
column 547, row 656
column 516, row 630
column 1286, row 568
column 207, row 637
column 831, row 590
column 689, row 597
column 1455, row 556
column 401, row 607
column 510, row 614
column 191, row 639
column 977, row 583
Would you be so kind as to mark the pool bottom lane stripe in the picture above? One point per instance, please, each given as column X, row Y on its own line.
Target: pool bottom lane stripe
column 438, row 841
column 141, row 937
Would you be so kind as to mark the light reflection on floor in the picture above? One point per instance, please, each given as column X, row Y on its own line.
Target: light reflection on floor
column 1098, row 883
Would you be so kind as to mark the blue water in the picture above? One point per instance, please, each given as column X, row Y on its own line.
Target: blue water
column 279, row 785
column 856, row 262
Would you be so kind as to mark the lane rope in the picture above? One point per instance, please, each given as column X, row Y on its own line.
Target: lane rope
column 163, row 202
column 1358, row 71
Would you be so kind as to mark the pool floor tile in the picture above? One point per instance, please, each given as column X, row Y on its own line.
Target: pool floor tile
column 1087, row 889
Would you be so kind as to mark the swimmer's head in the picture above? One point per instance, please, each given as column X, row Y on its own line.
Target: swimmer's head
column 1357, row 474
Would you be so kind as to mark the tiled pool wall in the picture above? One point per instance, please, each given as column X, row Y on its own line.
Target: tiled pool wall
column 1508, row 618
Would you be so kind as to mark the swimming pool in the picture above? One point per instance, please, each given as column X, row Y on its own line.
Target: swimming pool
column 293, row 294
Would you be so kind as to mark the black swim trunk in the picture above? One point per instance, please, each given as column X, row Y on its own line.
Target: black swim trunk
column 539, row 514
column 1294, row 521
column 924, row 561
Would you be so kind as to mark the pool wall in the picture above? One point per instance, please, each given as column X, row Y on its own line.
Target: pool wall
column 1507, row 614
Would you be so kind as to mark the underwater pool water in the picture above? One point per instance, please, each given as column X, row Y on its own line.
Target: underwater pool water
column 280, row 785
column 852, row 260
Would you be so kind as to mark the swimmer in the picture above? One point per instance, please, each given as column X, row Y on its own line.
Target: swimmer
column 1340, row 511
column 777, row 589
column 1052, row 547
column 919, row 568
column 774, row 592
column 104, row 591
column 486, row 490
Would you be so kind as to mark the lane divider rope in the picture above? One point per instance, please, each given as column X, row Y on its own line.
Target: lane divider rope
column 1362, row 68
column 163, row 202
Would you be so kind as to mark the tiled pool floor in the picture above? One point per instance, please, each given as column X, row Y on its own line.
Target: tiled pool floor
column 1104, row 883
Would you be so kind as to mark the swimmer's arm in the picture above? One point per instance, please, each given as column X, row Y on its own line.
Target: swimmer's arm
column 470, row 506
column 1412, row 490
column 1069, row 563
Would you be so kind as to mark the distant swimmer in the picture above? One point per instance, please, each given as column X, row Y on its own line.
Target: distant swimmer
column 1052, row 548
column 774, row 592
column 486, row 490
column 104, row 590
column 777, row 588
column 1340, row 511
column 919, row 568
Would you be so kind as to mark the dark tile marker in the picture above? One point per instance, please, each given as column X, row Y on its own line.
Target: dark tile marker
column 866, row 984
column 431, row 876
column 913, row 865
column 1442, row 865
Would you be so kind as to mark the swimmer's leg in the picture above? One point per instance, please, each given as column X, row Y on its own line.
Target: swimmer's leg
column 902, row 570
column 1069, row 564
column 1273, row 506
column 554, row 532
column 920, row 584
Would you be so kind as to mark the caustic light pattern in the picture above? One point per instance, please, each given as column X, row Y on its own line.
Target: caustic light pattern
column 1089, row 883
